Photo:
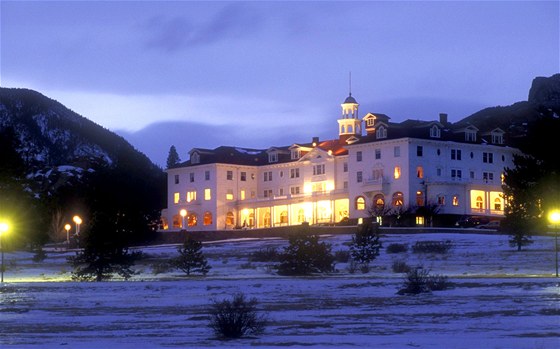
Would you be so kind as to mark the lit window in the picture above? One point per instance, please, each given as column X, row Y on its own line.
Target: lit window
column 230, row 218
column 419, row 198
column 397, row 173
column 419, row 220
column 284, row 217
column 242, row 194
column 192, row 220
column 455, row 200
column 360, row 203
column 176, row 198
column 479, row 202
column 207, row 194
column 419, row 172
column 497, row 204
column 207, row 218
column 229, row 194
column 191, row 196
column 398, row 199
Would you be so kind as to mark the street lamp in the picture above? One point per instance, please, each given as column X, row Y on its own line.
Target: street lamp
column 67, row 228
column 4, row 227
column 554, row 218
column 78, row 221
column 183, row 213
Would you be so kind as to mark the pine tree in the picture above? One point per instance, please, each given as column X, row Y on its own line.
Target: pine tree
column 306, row 255
column 173, row 157
column 365, row 245
column 191, row 258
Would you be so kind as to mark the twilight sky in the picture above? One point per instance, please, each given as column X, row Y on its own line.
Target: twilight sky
column 260, row 74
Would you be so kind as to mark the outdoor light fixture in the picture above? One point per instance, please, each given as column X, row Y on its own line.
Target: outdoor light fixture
column 4, row 227
column 67, row 228
column 554, row 219
column 183, row 213
column 78, row 221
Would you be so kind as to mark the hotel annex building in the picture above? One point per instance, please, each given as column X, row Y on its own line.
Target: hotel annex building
column 373, row 163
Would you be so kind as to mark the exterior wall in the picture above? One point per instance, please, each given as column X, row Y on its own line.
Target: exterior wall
column 453, row 194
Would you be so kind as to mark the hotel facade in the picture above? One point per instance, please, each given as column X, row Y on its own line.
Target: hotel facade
column 374, row 165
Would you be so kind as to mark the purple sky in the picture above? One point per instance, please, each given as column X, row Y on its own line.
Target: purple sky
column 258, row 74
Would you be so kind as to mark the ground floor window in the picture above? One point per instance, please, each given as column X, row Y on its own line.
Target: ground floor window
column 207, row 220
column 230, row 219
column 360, row 203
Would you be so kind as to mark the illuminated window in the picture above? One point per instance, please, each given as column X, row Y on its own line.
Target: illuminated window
column 497, row 204
column 267, row 221
column 502, row 177
column 229, row 194
column 319, row 187
column 419, row 172
column 379, row 201
column 419, row 220
column 301, row 215
column 207, row 194
column 419, row 198
column 479, row 202
column 242, row 194
column 398, row 199
column 191, row 196
column 177, row 221
column 397, row 173
column 284, row 217
column 360, row 203
column 230, row 220
column 207, row 218
column 176, row 198
column 455, row 200
column 192, row 220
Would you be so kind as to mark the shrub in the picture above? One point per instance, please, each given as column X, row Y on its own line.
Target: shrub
column 342, row 256
column 432, row 246
column 400, row 267
column 236, row 318
column 191, row 258
column 418, row 280
column 162, row 267
column 306, row 255
column 269, row 254
column 365, row 245
column 397, row 248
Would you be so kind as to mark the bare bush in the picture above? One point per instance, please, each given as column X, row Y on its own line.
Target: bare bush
column 418, row 280
column 441, row 247
column 397, row 248
column 236, row 318
column 400, row 267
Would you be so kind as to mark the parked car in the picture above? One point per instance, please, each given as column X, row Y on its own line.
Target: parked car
column 471, row 221
column 490, row 225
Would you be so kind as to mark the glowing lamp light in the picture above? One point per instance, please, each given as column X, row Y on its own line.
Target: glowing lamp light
column 183, row 214
column 78, row 220
column 4, row 227
column 554, row 218
column 67, row 228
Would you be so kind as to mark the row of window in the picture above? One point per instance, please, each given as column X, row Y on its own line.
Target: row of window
column 487, row 157
column 398, row 200
column 456, row 174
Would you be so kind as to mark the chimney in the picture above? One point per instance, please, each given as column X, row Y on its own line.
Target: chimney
column 443, row 118
column 315, row 141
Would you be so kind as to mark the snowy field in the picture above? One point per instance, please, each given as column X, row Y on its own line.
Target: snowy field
column 500, row 298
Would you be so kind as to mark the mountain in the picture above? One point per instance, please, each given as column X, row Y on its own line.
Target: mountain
column 63, row 164
column 543, row 100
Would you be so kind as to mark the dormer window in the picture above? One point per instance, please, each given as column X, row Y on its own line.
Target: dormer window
column 273, row 157
column 370, row 122
column 195, row 158
column 497, row 137
column 296, row 154
column 470, row 136
column 381, row 132
column 435, row 132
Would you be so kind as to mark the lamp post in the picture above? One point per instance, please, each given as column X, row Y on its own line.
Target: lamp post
column 183, row 213
column 554, row 218
column 78, row 221
column 67, row 228
column 4, row 227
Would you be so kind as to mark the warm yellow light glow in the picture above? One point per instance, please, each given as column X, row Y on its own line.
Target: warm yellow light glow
column 183, row 213
column 554, row 217
column 4, row 227
column 329, row 152
column 397, row 173
column 77, row 219
column 307, row 188
column 330, row 185
column 67, row 226
column 245, row 212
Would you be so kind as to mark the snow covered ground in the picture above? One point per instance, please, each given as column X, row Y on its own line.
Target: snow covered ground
column 500, row 298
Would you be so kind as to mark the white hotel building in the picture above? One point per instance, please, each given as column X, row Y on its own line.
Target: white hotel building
column 457, row 168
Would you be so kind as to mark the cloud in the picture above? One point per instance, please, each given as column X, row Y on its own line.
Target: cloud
column 176, row 33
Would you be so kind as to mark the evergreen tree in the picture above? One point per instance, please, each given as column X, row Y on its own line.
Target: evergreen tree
column 306, row 255
column 191, row 259
column 365, row 244
column 173, row 157
column 103, row 254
